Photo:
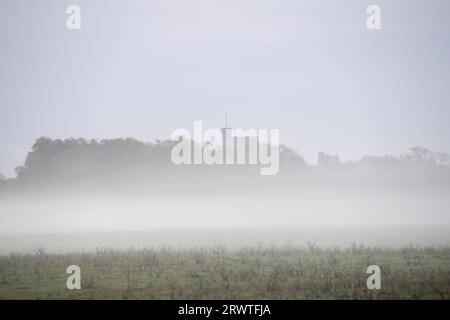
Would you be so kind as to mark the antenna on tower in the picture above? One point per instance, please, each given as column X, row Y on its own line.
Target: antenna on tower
column 226, row 118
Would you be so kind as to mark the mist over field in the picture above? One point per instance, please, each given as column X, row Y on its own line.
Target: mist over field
column 140, row 227
column 76, row 194
column 312, row 69
column 112, row 113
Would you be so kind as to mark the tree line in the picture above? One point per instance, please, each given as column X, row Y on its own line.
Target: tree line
column 68, row 160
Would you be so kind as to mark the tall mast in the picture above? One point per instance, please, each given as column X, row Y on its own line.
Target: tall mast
column 226, row 118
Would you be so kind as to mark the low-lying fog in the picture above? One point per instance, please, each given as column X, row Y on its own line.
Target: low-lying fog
column 388, row 218
column 76, row 194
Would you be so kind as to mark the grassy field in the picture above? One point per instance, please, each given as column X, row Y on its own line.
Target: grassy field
column 257, row 272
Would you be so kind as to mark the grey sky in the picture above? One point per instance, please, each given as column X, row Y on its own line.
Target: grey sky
column 145, row 68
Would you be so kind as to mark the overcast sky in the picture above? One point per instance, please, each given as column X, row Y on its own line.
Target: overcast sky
column 144, row 68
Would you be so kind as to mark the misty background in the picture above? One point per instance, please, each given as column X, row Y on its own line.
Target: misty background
column 70, row 101
column 309, row 68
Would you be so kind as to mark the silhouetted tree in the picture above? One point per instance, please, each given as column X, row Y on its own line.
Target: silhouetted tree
column 127, row 160
column 3, row 180
column 79, row 158
column 419, row 156
column 291, row 156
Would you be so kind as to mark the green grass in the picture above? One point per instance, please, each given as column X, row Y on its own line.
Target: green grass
column 217, row 273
